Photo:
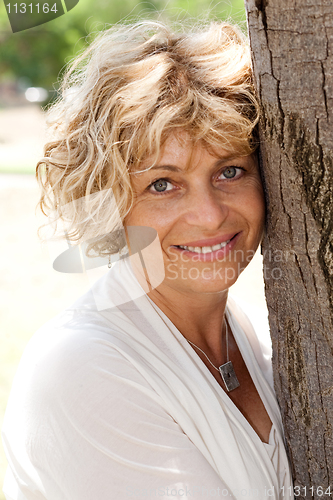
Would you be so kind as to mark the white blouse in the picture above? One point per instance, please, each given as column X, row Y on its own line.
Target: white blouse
column 113, row 403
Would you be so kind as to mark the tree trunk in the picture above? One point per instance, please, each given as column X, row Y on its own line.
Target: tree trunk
column 292, row 49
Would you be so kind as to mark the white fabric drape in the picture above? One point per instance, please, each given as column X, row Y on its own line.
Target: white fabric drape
column 114, row 403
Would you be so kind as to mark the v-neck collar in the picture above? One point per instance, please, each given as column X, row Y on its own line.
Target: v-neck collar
column 251, row 364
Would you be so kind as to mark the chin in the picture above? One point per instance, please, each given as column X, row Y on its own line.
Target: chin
column 205, row 280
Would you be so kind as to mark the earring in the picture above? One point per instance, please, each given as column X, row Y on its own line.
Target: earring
column 110, row 263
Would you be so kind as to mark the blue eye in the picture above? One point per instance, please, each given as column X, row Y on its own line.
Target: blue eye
column 161, row 185
column 231, row 172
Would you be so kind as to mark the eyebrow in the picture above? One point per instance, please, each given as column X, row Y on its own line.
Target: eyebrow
column 172, row 168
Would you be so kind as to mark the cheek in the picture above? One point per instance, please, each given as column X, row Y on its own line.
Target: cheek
column 153, row 212
column 140, row 215
column 143, row 214
column 254, row 208
column 260, row 209
column 261, row 199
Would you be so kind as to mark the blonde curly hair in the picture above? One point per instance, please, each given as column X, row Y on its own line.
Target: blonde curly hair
column 121, row 99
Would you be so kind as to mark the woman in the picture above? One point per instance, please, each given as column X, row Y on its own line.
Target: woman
column 154, row 383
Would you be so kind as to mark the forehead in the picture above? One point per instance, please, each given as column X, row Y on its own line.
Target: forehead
column 180, row 150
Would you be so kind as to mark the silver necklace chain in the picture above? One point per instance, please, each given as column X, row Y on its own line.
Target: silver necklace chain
column 227, row 345
column 226, row 370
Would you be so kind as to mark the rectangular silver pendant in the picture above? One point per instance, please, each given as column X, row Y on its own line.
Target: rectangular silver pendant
column 229, row 376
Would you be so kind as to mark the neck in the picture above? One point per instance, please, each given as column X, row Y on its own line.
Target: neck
column 198, row 316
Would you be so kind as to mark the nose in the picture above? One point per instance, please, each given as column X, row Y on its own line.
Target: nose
column 206, row 208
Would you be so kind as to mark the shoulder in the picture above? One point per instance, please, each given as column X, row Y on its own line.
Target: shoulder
column 70, row 352
column 77, row 398
column 71, row 368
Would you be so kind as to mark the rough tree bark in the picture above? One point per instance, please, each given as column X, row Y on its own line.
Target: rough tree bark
column 292, row 49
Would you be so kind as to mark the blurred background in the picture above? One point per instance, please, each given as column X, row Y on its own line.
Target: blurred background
column 31, row 63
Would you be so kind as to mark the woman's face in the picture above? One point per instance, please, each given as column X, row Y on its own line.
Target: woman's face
column 208, row 210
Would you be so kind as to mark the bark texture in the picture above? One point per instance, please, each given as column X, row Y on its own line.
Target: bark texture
column 292, row 49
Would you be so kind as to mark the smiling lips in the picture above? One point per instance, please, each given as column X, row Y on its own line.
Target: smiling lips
column 205, row 248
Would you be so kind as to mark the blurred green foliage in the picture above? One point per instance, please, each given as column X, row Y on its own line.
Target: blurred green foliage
column 37, row 55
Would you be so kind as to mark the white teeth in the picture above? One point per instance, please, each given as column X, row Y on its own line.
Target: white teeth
column 205, row 249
